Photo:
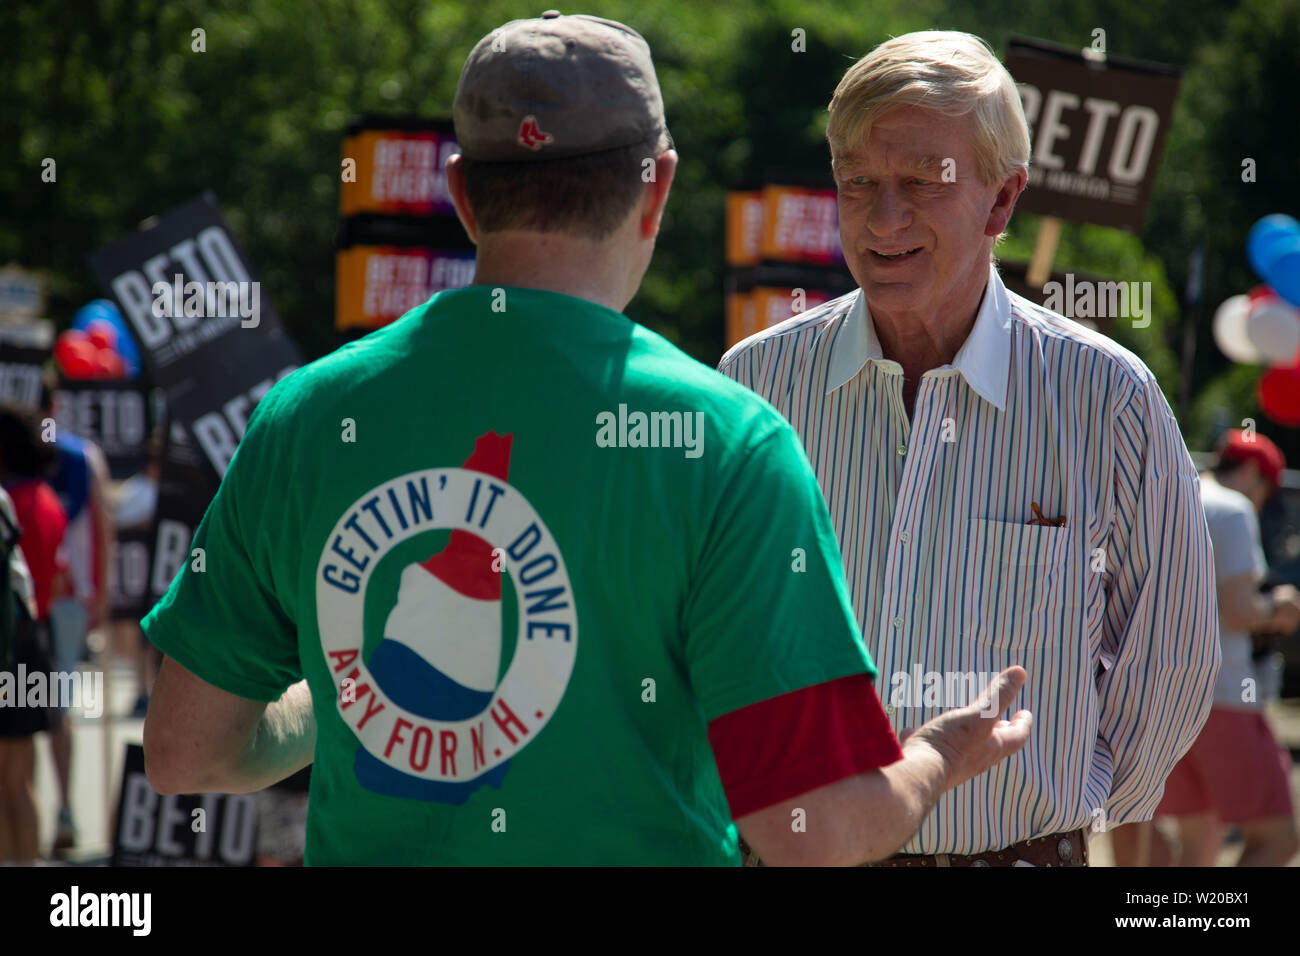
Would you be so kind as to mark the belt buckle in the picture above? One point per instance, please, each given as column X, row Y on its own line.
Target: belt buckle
column 941, row 859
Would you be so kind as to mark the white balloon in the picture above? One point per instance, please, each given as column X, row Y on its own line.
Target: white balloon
column 1273, row 327
column 1230, row 331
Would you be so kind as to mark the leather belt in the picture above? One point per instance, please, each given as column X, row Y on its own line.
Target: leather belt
column 1057, row 849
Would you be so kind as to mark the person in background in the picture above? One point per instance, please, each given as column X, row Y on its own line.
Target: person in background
column 24, row 458
column 1235, row 773
column 134, row 503
column 79, row 476
column 19, row 725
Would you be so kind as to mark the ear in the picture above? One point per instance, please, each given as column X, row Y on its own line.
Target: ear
column 459, row 199
column 660, row 180
column 1005, row 202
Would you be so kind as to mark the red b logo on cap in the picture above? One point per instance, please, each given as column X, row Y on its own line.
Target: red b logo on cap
column 532, row 137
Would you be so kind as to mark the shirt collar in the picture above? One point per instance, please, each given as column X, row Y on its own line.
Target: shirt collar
column 984, row 359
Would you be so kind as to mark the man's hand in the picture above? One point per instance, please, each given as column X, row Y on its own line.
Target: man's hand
column 1243, row 607
column 870, row 815
column 971, row 739
column 1286, row 609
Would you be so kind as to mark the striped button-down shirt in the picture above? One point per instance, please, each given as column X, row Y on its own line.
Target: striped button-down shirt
column 1039, row 509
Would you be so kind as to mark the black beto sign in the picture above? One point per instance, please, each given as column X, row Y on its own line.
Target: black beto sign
column 128, row 574
column 185, row 487
column 1098, row 125
column 210, row 338
column 21, row 373
column 209, row 829
column 114, row 415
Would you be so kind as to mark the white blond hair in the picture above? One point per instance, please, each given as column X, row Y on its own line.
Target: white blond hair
column 953, row 73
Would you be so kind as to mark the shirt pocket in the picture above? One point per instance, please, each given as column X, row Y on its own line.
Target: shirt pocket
column 1018, row 581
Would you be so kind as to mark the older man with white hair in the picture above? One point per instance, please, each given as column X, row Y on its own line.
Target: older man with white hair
column 1007, row 486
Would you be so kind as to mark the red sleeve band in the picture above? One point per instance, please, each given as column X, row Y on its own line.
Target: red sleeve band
column 778, row 748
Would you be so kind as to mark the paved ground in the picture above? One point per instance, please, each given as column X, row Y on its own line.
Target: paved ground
column 1284, row 717
column 98, row 745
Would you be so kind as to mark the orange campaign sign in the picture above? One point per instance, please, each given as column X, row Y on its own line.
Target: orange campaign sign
column 762, row 307
column 397, row 172
column 739, row 318
column 801, row 225
column 376, row 284
column 744, row 227
column 783, row 255
column 399, row 239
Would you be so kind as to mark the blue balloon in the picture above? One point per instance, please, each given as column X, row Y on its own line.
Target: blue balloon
column 126, row 347
column 1284, row 269
column 1264, row 242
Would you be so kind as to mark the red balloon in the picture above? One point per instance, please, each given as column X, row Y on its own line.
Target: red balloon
column 74, row 354
column 108, row 364
column 102, row 334
column 79, row 366
column 1261, row 293
column 68, row 339
column 1279, row 395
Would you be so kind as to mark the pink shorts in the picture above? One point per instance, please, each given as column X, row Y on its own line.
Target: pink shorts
column 1235, row 769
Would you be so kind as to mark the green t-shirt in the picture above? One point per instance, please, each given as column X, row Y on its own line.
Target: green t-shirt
column 523, row 550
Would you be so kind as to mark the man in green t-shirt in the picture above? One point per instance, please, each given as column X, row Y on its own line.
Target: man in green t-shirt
column 524, row 583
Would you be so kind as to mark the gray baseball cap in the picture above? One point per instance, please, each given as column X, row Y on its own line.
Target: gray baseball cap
column 556, row 87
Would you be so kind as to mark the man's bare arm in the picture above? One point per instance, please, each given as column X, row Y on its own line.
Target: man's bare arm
column 869, row 816
column 200, row 739
column 1244, row 608
column 854, row 820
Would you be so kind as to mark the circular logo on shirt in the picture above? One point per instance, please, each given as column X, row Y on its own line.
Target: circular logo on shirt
column 431, row 717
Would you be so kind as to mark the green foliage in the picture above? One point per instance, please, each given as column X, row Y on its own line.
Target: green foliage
column 1225, row 403
column 1118, row 256
column 138, row 122
column 1234, row 104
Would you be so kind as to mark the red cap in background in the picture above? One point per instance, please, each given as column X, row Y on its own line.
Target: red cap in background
column 1238, row 447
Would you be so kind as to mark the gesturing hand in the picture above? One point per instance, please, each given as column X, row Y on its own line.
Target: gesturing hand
column 973, row 738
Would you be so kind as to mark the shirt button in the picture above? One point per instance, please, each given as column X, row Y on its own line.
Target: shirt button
column 902, row 449
column 904, row 537
column 898, row 621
